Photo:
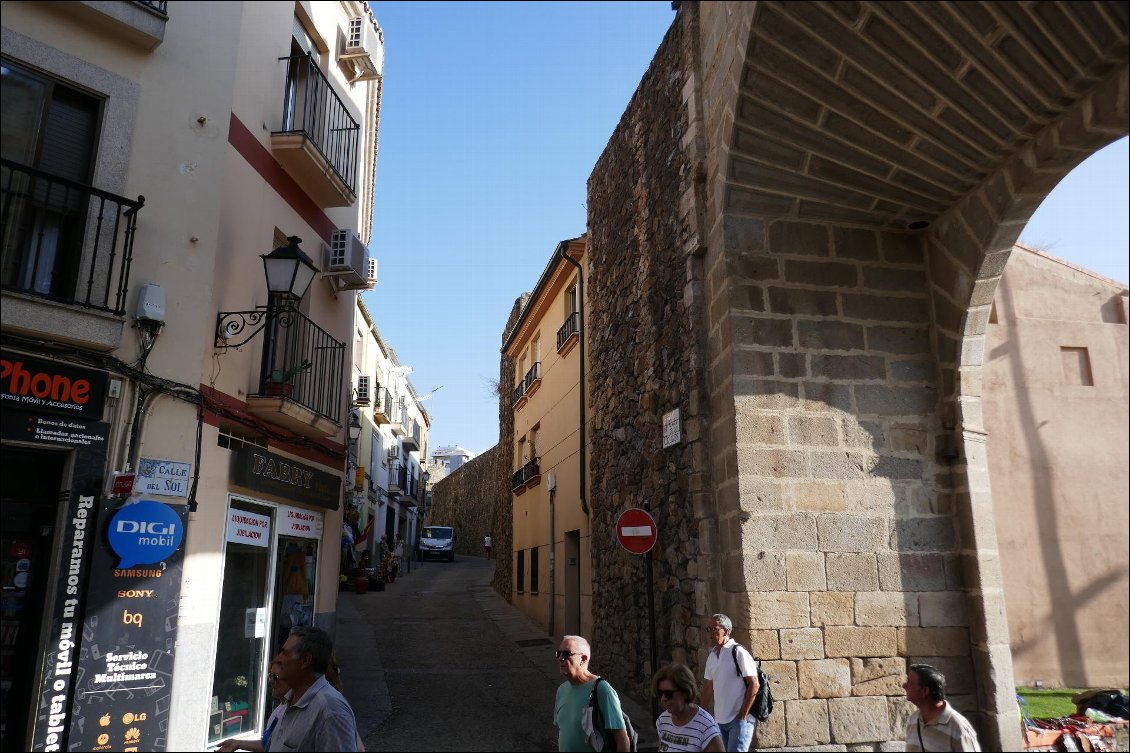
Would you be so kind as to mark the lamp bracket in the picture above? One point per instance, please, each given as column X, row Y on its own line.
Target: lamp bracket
column 232, row 324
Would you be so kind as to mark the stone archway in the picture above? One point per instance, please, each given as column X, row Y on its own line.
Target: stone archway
column 868, row 167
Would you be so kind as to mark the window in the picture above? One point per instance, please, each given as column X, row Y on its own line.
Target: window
column 571, row 300
column 535, row 349
column 533, row 570
column 1076, row 367
column 520, row 579
column 233, row 439
column 54, row 128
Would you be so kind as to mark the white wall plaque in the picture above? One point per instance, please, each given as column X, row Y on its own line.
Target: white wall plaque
column 671, row 428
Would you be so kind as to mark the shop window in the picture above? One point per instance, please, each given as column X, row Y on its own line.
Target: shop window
column 242, row 650
column 520, row 577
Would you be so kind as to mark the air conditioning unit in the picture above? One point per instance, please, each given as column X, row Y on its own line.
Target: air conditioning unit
column 347, row 259
column 363, row 45
column 393, row 453
column 372, row 270
column 363, row 397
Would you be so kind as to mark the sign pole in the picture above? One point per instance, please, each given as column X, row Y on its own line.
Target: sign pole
column 637, row 532
column 651, row 629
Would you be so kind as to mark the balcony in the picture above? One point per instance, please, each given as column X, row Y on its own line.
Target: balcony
column 528, row 386
column 529, row 475
column 411, row 441
column 398, row 479
column 569, row 334
column 318, row 141
column 301, row 384
column 381, row 407
column 397, row 420
column 66, row 254
column 140, row 23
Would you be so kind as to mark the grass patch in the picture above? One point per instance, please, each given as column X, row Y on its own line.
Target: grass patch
column 1048, row 704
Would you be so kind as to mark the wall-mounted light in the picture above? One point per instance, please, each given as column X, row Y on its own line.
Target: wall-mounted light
column 289, row 272
column 354, row 425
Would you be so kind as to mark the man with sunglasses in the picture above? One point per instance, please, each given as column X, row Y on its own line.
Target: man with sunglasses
column 573, row 698
column 731, row 685
column 318, row 717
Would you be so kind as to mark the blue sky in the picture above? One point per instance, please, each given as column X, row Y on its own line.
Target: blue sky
column 492, row 118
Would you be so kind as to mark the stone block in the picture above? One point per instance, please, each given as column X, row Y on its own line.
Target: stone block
column 760, row 495
column 851, row 572
column 760, row 428
column 820, row 396
column 880, row 608
column 770, row 734
column 804, row 571
column 884, row 400
column 850, row 243
column 763, row 644
column 762, row 571
column 844, row 532
column 822, row 273
column 942, row 609
column 863, row 434
column 813, row 430
column 806, row 723
column 840, row 465
column 902, row 341
column 894, row 278
column 802, row 643
column 958, row 670
column 779, row 609
column 912, row 571
column 913, row 371
column 884, row 308
column 878, row 676
column 940, row 641
column 902, row 247
column 860, row 641
column 803, row 301
column 909, row 438
column 824, row 678
column 859, row 720
column 799, row 238
column 762, row 330
column 819, row 496
column 781, row 533
column 934, row 534
column 830, row 335
column 792, row 365
column 832, row 608
column 849, row 368
column 782, row 675
column 772, row 463
column 753, row 362
column 899, row 710
column 898, row 468
column 742, row 233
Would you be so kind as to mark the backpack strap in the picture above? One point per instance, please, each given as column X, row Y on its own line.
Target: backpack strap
column 737, row 667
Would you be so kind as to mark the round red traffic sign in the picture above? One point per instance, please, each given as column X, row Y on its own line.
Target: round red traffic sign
column 636, row 530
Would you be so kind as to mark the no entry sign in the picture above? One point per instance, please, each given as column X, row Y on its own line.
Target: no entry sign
column 636, row 531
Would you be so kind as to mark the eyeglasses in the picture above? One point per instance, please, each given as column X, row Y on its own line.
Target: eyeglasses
column 567, row 654
column 666, row 692
column 273, row 677
column 715, row 629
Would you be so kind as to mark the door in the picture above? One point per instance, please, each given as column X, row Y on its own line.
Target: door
column 572, row 614
column 30, row 496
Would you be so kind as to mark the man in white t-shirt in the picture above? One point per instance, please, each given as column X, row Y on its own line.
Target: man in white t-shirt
column 731, row 685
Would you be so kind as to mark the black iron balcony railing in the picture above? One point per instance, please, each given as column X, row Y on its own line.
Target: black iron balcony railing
column 571, row 327
column 533, row 375
column 519, row 391
column 312, row 107
column 155, row 5
column 528, row 471
column 306, row 365
column 64, row 240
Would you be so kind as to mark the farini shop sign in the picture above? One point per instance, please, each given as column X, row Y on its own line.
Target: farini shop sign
column 267, row 472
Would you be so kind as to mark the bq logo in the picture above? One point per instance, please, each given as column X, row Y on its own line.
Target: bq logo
column 145, row 532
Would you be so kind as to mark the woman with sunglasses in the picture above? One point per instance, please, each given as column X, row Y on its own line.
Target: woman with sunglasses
column 683, row 725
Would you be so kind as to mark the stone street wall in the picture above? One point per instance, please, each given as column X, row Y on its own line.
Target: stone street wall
column 643, row 318
column 468, row 500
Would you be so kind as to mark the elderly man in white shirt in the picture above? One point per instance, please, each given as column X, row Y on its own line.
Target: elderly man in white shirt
column 935, row 725
column 731, row 685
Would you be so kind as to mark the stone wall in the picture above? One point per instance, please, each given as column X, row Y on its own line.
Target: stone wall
column 503, row 580
column 643, row 322
column 469, row 500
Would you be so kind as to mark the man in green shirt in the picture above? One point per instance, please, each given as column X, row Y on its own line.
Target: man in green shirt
column 573, row 698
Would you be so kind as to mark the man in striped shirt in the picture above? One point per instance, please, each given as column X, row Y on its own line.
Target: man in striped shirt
column 935, row 725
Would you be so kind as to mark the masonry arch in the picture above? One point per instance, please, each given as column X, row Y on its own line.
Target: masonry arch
column 898, row 149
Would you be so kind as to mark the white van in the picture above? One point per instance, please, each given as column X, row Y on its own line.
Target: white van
column 438, row 542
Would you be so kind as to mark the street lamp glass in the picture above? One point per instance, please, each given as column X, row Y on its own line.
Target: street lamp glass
column 289, row 270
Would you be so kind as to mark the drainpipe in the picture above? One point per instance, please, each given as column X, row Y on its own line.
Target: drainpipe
column 551, row 483
column 561, row 252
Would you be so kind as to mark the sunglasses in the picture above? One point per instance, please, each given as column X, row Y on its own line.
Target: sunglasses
column 714, row 629
column 567, row 654
column 273, row 677
column 666, row 693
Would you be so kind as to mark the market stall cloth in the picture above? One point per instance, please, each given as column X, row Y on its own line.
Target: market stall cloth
column 1072, row 734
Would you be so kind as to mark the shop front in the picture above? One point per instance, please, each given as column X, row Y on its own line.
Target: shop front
column 273, row 555
column 54, row 460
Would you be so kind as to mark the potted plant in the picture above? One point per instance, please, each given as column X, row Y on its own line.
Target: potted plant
column 280, row 383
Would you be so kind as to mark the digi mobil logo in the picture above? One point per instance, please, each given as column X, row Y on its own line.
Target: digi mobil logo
column 145, row 532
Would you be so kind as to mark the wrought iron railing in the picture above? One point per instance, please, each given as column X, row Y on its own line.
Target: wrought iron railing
column 155, row 5
column 519, row 391
column 304, row 363
column 571, row 327
column 527, row 381
column 312, row 107
column 528, row 471
column 64, row 240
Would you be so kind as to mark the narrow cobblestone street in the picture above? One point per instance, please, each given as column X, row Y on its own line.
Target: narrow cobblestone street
column 438, row 661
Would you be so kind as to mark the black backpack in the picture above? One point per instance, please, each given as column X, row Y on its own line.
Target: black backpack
column 598, row 723
column 763, row 701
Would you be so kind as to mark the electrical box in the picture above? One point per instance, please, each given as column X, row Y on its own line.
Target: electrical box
column 150, row 303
